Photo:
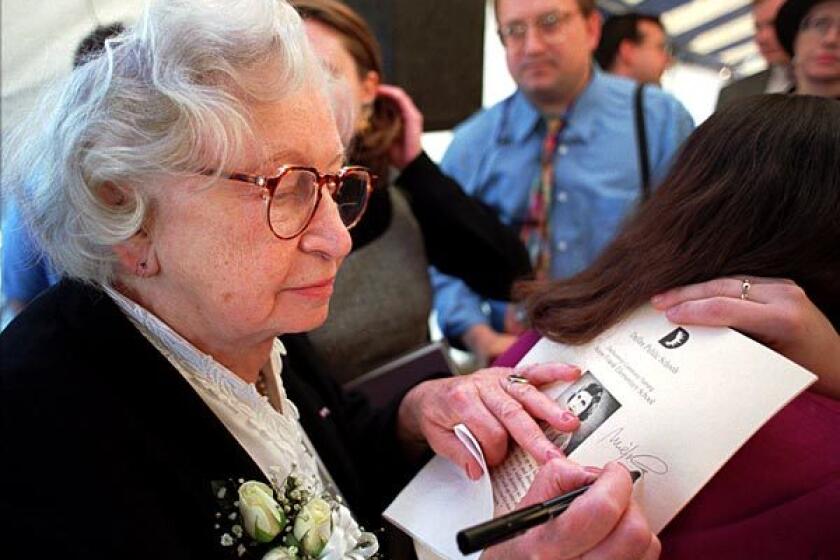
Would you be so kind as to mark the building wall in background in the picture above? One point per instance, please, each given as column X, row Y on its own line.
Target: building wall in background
column 38, row 42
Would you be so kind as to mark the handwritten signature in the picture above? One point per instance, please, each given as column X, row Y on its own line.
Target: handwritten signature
column 628, row 451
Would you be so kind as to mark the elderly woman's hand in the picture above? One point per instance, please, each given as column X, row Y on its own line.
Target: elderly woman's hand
column 775, row 312
column 493, row 408
column 602, row 523
column 406, row 148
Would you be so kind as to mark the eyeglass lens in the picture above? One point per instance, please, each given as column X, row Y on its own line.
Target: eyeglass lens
column 820, row 25
column 296, row 197
column 294, row 200
column 550, row 26
column 351, row 196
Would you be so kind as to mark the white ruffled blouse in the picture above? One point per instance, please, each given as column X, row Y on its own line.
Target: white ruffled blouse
column 274, row 439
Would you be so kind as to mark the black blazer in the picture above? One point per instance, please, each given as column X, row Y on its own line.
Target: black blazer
column 107, row 452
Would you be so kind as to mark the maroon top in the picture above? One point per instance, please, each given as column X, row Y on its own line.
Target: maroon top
column 777, row 497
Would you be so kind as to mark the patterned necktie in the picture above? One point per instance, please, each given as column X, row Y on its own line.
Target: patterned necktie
column 535, row 230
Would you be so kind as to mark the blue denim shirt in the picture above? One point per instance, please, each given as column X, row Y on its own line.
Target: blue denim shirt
column 495, row 156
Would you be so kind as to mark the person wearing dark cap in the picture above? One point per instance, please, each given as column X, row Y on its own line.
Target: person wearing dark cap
column 809, row 30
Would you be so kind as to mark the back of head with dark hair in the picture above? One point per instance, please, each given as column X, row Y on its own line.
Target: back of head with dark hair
column 624, row 27
column 754, row 191
column 94, row 42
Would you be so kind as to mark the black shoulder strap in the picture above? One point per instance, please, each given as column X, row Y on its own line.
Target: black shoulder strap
column 641, row 140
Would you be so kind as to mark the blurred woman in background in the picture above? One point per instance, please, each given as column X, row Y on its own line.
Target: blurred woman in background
column 384, row 285
column 809, row 30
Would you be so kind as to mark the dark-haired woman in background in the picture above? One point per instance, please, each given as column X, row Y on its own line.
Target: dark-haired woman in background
column 384, row 286
column 754, row 194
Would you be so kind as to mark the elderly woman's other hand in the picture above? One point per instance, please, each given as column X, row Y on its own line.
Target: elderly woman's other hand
column 493, row 407
column 407, row 147
column 604, row 522
column 776, row 312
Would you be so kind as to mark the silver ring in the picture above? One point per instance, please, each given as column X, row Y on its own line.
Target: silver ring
column 514, row 379
column 745, row 289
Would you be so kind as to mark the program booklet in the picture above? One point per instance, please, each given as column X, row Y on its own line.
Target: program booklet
column 674, row 402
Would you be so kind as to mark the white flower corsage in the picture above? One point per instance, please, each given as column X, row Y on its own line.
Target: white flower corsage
column 295, row 524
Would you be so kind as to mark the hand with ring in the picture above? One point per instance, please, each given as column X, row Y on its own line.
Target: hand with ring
column 496, row 404
column 774, row 311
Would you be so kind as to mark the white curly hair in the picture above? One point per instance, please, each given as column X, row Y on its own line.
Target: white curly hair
column 169, row 96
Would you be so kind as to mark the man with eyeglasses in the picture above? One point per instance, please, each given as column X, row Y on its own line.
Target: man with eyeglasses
column 810, row 31
column 558, row 160
column 635, row 46
column 777, row 77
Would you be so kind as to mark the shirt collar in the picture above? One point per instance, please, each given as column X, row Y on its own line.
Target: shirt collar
column 524, row 119
column 521, row 118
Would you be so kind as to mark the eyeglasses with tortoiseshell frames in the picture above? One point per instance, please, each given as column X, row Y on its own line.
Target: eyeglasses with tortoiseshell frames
column 294, row 192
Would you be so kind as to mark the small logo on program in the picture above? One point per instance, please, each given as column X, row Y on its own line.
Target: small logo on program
column 675, row 338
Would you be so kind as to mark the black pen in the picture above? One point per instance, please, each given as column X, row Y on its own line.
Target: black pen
column 518, row 521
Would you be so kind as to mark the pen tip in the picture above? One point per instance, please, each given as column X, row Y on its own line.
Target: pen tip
column 635, row 475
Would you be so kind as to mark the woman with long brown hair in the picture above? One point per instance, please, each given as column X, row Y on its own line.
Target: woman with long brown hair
column 743, row 228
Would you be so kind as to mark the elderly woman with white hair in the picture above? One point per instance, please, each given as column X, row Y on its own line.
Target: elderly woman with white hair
column 190, row 189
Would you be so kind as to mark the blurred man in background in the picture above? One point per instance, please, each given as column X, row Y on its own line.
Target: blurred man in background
column 634, row 46
column 559, row 160
column 777, row 77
